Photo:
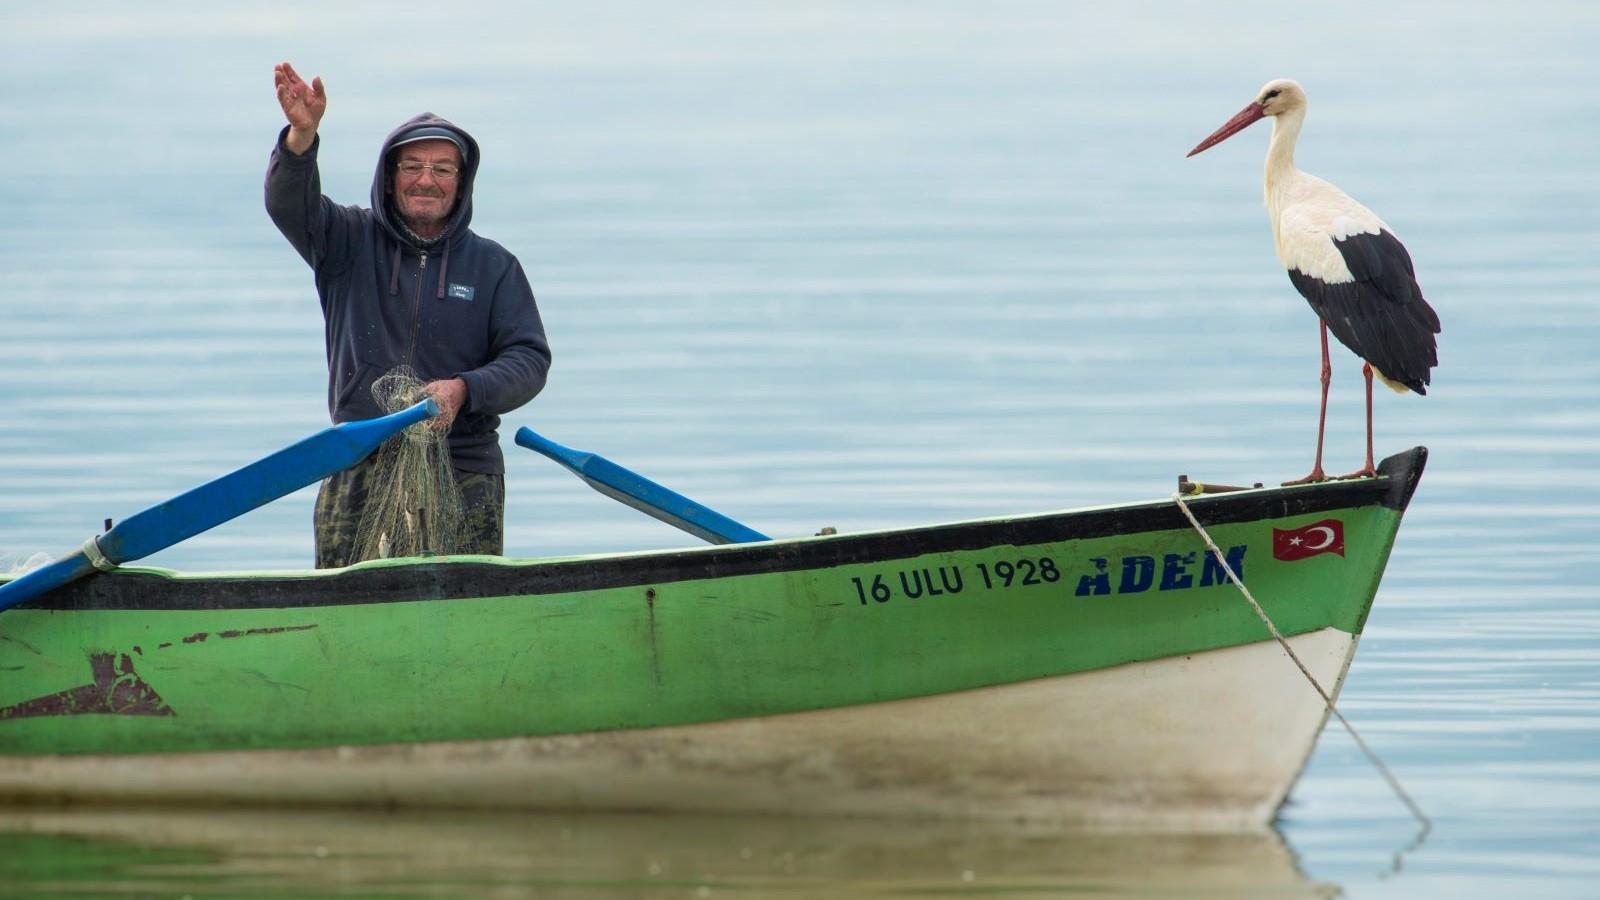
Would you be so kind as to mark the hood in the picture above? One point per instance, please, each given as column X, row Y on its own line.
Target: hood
column 461, row 216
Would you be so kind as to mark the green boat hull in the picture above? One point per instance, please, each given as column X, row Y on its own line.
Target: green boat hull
column 149, row 667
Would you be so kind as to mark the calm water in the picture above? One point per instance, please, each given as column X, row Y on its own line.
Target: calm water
column 859, row 265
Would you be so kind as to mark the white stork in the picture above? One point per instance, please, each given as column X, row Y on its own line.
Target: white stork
column 1344, row 260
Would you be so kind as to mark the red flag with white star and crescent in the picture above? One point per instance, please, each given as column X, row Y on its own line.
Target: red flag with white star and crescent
column 1326, row 536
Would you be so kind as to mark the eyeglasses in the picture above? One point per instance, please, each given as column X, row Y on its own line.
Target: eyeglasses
column 442, row 171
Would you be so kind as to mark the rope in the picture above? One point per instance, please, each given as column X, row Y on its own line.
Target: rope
column 1383, row 770
column 91, row 551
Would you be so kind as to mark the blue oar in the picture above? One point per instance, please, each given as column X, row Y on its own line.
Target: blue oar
column 215, row 502
column 641, row 493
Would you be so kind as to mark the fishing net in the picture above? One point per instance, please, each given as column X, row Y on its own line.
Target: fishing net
column 17, row 567
column 413, row 505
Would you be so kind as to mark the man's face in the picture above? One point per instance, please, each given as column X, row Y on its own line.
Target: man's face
column 425, row 199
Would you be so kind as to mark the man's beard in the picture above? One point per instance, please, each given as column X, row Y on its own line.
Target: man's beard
column 424, row 222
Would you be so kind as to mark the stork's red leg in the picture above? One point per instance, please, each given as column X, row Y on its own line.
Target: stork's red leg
column 1322, row 415
column 1368, row 470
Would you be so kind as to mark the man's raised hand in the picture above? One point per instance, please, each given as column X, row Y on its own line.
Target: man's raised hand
column 303, row 105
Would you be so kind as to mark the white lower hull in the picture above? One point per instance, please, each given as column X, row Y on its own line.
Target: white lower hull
column 1210, row 741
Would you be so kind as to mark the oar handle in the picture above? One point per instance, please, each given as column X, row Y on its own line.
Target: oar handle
column 527, row 437
column 209, row 505
column 284, row 472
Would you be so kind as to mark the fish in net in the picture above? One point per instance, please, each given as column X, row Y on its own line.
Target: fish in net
column 413, row 505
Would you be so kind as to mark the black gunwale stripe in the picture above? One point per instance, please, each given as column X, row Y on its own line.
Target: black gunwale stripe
column 436, row 580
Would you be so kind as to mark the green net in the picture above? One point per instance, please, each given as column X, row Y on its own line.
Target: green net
column 413, row 505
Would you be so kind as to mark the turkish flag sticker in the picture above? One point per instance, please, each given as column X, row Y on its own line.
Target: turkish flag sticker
column 1315, row 539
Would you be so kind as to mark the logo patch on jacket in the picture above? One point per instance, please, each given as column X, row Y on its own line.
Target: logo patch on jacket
column 459, row 291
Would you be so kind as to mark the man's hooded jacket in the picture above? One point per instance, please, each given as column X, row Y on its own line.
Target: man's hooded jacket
column 457, row 306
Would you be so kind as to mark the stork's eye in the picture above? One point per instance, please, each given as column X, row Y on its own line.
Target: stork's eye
column 1268, row 96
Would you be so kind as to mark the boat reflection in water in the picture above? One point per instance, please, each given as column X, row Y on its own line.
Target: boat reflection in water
column 437, row 853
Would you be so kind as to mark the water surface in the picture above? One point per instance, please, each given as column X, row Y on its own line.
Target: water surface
column 864, row 266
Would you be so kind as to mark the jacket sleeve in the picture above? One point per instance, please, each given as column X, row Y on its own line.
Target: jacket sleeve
column 519, row 353
column 321, row 231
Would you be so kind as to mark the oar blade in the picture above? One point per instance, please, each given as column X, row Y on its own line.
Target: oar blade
column 641, row 493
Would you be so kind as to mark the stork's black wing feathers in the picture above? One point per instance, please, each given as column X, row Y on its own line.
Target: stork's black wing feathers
column 1381, row 314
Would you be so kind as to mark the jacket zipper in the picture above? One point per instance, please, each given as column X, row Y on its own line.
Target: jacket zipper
column 416, row 313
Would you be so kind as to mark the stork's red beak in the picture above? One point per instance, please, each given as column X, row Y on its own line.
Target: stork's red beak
column 1233, row 126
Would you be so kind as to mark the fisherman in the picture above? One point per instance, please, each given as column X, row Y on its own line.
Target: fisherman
column 406, row 283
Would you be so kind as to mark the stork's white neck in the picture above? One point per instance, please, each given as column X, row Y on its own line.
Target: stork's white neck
column 1280, row 153
column 1280, row 168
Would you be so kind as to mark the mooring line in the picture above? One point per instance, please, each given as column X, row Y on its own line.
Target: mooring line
column 1394, row 783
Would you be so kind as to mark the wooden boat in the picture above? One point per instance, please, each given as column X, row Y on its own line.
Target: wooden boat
column 1086, row 665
